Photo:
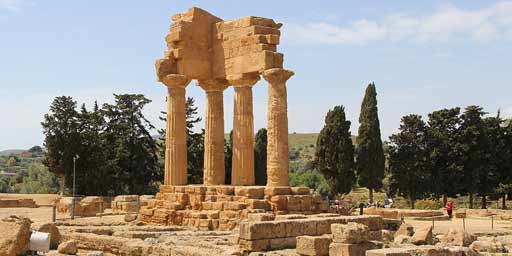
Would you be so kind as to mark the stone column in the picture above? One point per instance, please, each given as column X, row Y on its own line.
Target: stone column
column 243, row 130
column 277, row 133
column 214, row 166
column 176, row 133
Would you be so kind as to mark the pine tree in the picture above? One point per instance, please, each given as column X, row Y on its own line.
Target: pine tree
column 370, row 154
column 132, row 151
column 474, row 147
column 92, row 175
column 408, row 160
column 260, row 157
column 334, row 155
column 444, row 158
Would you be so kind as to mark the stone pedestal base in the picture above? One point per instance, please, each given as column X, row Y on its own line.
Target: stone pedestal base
column 223, row 207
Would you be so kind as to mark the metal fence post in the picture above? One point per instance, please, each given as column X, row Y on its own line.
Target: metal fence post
column 73, row 208
column 138, row 205
column 54, row 213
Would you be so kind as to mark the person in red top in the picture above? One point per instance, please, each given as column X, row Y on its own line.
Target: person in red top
column 449, row 208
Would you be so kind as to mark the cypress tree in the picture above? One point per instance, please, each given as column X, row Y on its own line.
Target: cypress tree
column 260, row 157
column 228, row 156
column 334, row 156
column 370, row 154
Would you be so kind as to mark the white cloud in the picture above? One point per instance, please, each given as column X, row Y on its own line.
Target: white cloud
column 446, row 23
column 12, row 5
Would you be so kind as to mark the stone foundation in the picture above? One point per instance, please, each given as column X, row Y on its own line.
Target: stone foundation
column 280, row 234
column 17, row 203
column 223, row 207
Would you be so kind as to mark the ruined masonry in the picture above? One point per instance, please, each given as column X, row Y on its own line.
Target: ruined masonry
column 218, row 54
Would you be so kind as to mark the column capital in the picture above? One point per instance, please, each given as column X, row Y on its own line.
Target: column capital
column 277, row 75
column 176, row 81
column 213, row 85
column 244, row 80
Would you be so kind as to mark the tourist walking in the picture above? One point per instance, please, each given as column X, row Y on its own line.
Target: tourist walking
column 449, row 208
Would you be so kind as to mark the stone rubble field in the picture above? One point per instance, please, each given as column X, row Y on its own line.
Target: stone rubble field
column 262, row 234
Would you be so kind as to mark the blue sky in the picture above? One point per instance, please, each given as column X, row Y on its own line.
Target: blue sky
column 422, row 56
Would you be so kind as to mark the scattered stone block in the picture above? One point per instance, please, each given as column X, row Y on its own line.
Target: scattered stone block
column 68, row 247
column 342, row 249
column 351, row 233
column 313, row 245
column 490, row 245
column 458, row 238
column 405, row 230
column 423, row 236
column 14, row 236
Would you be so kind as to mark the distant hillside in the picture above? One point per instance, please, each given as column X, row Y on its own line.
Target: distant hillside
column 9, row 152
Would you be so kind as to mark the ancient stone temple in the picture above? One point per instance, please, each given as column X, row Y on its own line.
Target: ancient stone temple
column 218, row 54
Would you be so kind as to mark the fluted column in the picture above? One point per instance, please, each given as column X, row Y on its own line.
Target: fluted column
column 176, row 133
column 214, row 166
column 243, row 130
column 277, row 131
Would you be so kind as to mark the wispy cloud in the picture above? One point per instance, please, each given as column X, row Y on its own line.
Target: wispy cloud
column 13, row 5
column 446, row 23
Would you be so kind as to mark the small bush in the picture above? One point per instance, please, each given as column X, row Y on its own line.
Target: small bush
column 428, row 204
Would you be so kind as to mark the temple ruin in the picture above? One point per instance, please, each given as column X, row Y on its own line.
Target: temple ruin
column 218, row 54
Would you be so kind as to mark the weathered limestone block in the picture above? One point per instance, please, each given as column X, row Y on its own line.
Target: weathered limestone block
column 275, row 191
column 405, row 230
column 257, row 217
column 15, row 235
column 351, row 233
column 257, row 204
column 251, row 192
column 459, row 238
column 423, row 236
column 279, row 203
column 301, row 191
column 342, row 249
column 313, row 245
column 15, row 203
column 490, row 245
column 283, row 243
column 255, row 245
column 68, row 247
column 262, row 230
